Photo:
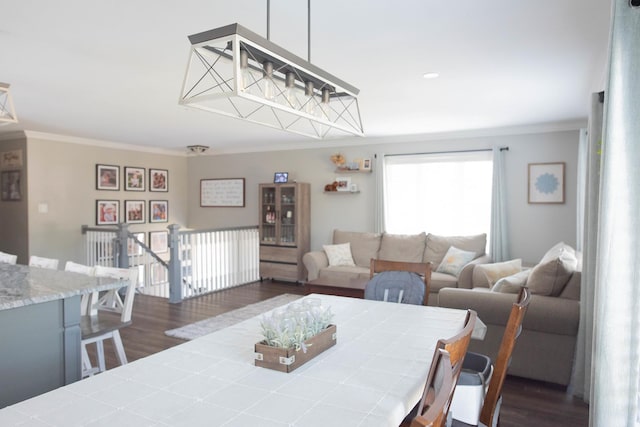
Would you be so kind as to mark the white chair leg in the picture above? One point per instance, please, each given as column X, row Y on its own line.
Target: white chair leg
column 117, row 341
column 100, row 351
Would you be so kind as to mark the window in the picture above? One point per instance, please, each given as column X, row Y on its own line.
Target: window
column 441, row 193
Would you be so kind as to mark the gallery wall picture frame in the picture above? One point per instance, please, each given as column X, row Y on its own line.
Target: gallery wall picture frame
column 133, row 248
column 134, row 178
column 158, row 180
column 546, row 183
column 107, row 177
column 222, row 192
column 11, row 185
column 158, row 210
column 159, row 241
column 134, row 211
column 366, row 165
column 107, row 212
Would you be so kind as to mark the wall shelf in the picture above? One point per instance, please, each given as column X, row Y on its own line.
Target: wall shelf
column 339, row 170
column 341, row 192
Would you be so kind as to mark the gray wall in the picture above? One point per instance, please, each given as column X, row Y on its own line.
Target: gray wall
column 62, row 176
column 14, row 227
column 533, row 228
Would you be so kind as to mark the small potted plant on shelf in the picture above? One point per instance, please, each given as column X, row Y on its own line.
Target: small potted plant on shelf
column 294, row 335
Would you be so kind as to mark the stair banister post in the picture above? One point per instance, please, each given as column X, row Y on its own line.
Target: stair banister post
column 122, row 240
column 175, row 271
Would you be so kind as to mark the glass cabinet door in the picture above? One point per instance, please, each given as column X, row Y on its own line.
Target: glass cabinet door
column 287, row 213
column 269, row 219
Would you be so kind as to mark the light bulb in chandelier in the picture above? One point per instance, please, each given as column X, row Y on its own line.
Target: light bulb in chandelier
column 246, row 77
column 309, row 101
column 323, row 110
column 269, row 87
column 290, row 98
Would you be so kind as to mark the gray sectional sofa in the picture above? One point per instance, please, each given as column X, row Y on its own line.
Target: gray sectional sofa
column 545, row 349
column 395, row 247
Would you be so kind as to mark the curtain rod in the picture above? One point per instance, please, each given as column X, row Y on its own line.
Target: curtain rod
column 446, row 152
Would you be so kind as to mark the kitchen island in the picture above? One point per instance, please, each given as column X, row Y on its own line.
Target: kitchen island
column 40, row 328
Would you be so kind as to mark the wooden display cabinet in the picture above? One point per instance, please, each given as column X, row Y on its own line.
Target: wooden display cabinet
column 284, row 230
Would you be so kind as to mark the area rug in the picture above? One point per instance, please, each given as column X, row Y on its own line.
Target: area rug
column 212, row 324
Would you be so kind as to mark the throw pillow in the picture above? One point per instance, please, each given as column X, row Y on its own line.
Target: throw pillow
column 437, row 246
column 339, row 254
column 454, row 260
column 552, row 273
column 511, row 284
column 498, row 270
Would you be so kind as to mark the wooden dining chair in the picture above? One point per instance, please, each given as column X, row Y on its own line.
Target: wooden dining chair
column 41, row 262
column 440, row 388
column 8, row 258
column 455, row 347
column 102, row 326
column 490, row 412
column 380, row 265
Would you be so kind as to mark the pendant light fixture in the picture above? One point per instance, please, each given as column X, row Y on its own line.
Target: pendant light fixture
column 7, row 111
column 235, row 72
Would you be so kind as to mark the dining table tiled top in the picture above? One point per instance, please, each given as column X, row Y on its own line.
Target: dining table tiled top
column 373, row 376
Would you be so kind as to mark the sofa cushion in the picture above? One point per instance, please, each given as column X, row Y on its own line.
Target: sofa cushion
column 511, row 284
column 402, row 247
column 454, row 260
column 364, row 246
column 437, row 246
column 442, row 280
column 339, row 254
column 488, row 274
column 342, row 273
column 552, row 273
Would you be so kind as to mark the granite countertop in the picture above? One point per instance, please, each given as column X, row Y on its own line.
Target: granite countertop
column 21, row 285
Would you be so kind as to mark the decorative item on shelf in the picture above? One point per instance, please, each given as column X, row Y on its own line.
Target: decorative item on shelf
column 331, row 187
column 295, row 334
column 338, row 159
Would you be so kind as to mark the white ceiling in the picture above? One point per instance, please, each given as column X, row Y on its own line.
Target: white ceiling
column 112, row 70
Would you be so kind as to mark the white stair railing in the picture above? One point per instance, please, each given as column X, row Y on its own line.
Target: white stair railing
column 202, row 261
column 211, row 260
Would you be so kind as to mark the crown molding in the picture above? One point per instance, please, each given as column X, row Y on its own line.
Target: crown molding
column 100, row 143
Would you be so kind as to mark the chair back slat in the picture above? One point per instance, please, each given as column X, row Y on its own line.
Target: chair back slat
column 511, row 333
column 41, row 262
column 456, row 347
column 439, row 390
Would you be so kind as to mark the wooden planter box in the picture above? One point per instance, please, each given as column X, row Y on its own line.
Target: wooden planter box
column 288, row 359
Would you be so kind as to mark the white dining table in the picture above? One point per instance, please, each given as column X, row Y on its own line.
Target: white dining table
column 373, row 376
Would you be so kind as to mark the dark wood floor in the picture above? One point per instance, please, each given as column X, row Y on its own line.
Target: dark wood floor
column 526, row 403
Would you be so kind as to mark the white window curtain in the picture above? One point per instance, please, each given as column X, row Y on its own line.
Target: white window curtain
column 581, row 190
column 616, row 333
column 440, row 193
column 590, row 181
column 499, row 242
column 378, row 209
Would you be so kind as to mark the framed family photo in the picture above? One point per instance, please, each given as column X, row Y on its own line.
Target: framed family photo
column 159, row 241
column 546, row 182
column 107, row 212
column 158, row 210
column 107, row 177
column 344, row 183
column 158, row 180
column 134, row 178
column 134, row 211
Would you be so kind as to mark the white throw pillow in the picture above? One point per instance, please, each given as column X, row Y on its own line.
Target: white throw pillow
column 511, row 284
column 454, row 260
column 498, row 270
column 339, row 254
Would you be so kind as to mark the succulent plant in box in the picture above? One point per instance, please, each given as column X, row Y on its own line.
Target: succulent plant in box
column 296, row 323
